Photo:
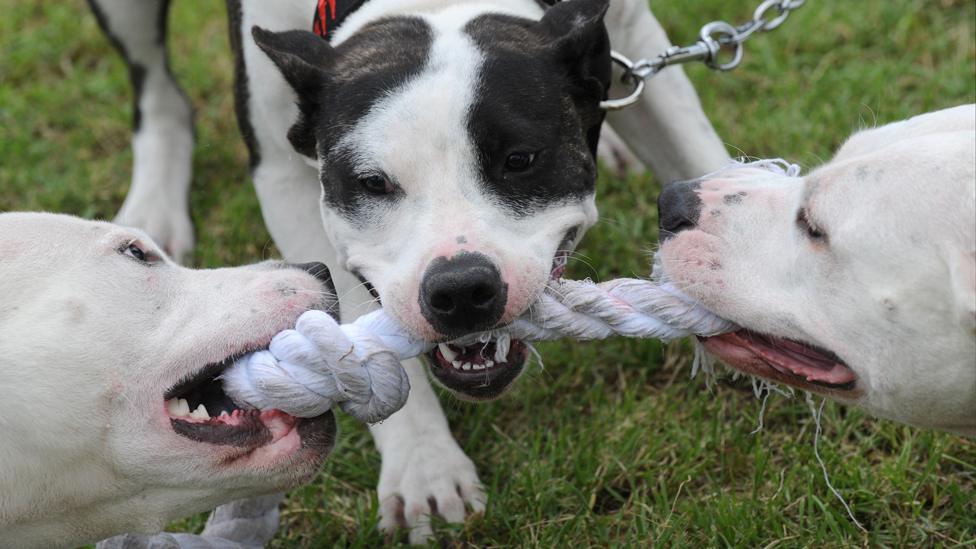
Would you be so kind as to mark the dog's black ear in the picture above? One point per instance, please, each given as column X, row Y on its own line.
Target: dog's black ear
column 304, row 60
column 574, row 34
column 302, row 57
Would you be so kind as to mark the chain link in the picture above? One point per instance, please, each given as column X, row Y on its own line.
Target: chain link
column 714, row 38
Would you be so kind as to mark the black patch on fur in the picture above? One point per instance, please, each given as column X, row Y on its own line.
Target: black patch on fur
column 538, row 94
column 137, row 77
column 381, row 57
column 241, row 91
column 732, row 199
column 336, row 88
column 137, row 72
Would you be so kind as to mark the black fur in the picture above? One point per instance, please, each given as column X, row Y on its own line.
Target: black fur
column 539, row 92
column 241, row 90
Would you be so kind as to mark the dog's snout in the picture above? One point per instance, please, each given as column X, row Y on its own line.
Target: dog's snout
column 678, row 208
column 462, row 294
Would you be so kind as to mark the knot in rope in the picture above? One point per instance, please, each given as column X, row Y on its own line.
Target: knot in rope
column 317, row 365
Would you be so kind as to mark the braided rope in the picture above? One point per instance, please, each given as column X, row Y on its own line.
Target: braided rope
column 320, row 363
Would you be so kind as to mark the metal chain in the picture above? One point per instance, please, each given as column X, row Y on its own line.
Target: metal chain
column 714, row 38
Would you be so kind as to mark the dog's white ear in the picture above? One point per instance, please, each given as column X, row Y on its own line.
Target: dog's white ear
column 962, row 269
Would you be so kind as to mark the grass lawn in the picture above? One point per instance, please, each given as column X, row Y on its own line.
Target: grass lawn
column 611, row 443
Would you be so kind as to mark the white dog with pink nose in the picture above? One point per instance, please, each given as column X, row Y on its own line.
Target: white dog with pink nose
column 857, row 281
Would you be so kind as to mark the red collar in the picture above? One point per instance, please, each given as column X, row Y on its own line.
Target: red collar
column 329, row 14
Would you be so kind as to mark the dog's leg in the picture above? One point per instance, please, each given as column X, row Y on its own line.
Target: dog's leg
column 667, row 128
column 162, row 142
column 424, row 470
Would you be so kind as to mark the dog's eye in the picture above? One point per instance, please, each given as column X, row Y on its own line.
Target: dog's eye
column 810, row 229
column 519, row 161
column 376, row 184
column 136, row 251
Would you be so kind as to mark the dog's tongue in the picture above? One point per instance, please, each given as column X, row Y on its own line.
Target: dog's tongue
column 801, row 360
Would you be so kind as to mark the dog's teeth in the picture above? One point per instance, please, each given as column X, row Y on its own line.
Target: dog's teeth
column 478, row 366
column 173, row 407
column 182, row 408
column 489, row 363
column 466, row 366
column 200, row 412
column 456, row 364
column 223, row 413
column 447, row 352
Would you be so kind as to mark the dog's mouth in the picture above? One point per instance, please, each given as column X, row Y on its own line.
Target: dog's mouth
column 793, row 363
column 200, row 410
column 480, row 371
column 483, row 370
column 561, row 259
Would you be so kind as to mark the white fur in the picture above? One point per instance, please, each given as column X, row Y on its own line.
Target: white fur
column 893, row 292
column 89, row 342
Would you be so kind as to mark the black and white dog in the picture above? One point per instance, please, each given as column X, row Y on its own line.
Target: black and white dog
column 447, row 148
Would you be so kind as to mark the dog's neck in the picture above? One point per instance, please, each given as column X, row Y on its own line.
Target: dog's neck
column 76, row 496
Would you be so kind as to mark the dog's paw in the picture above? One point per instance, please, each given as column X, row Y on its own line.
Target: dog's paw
column 427, row 477
column 168, row 224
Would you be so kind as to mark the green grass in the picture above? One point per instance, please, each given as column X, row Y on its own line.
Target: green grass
column 611, row 443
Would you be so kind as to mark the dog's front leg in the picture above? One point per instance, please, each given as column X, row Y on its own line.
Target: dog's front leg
column 424, row 470
column 667, row 128
column 162, row 140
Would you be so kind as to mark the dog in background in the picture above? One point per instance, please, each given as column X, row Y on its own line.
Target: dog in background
column 856, row 281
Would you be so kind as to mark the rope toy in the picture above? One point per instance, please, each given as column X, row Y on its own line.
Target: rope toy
column 321, row 363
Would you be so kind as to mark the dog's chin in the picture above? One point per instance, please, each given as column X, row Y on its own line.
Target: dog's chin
column 198, row 409
column 800, row 365
column 476, row 372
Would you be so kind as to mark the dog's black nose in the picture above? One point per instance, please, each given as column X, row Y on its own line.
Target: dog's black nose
column 463, row 294
column 678, row 208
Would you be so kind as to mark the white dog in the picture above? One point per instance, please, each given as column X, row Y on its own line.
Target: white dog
column 105, row 348
column 857, row 281
column 435, row 153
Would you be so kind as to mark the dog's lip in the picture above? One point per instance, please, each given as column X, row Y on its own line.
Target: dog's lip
column 798, row 364
column 486, row 383
column 561, row 258
column 248, row 430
